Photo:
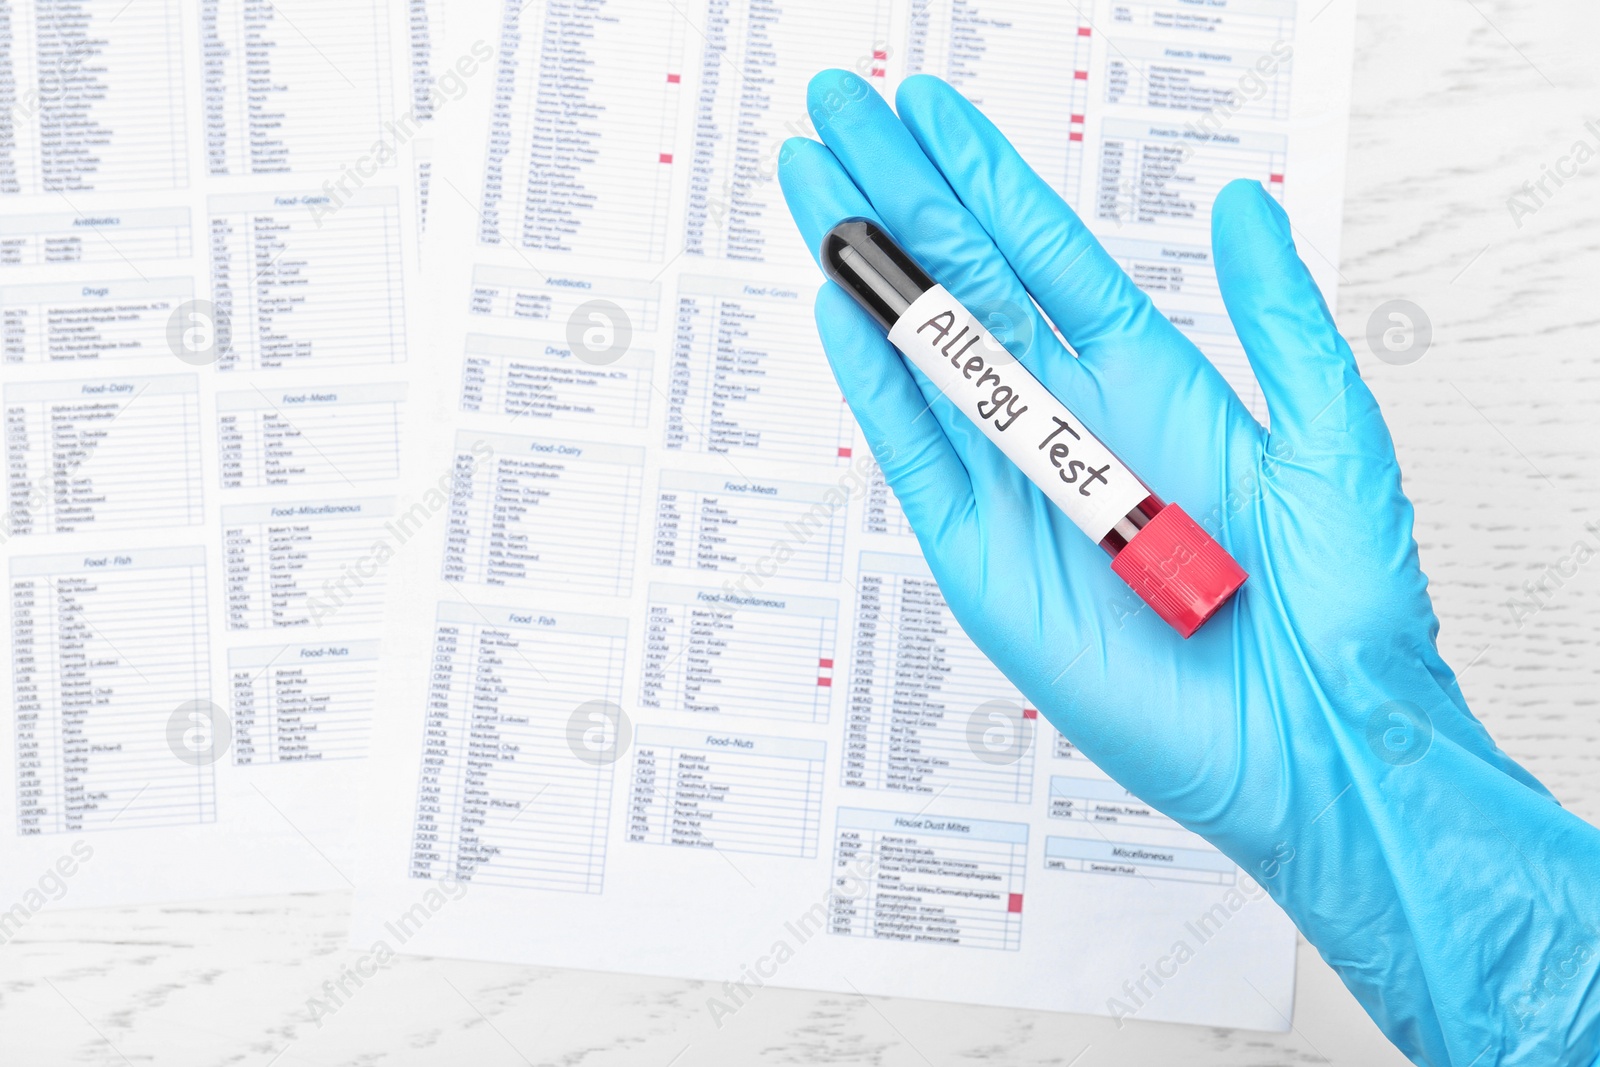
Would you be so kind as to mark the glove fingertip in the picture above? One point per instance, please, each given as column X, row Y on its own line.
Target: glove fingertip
column 1243, row 218
column 830, row 92
column 817, row 190
column 792, row 149
column 800, row 164
column 921, row 91
column 1240, row 191
column 1301, row 362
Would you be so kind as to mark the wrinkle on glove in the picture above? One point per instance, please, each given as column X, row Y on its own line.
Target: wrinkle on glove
column 1310, row 730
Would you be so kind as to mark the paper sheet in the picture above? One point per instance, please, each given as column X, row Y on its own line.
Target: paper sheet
column 208, row 257
column 673, row 690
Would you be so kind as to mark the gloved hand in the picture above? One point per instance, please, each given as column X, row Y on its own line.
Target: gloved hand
column 1310, row 730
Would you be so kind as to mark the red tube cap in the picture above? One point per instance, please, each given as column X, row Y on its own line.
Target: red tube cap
column 1177, row 568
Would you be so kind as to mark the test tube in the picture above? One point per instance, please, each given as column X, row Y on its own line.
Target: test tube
column 1164, row 556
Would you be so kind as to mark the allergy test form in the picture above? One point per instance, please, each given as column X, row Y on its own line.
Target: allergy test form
column 208, row 217
column 673, row 691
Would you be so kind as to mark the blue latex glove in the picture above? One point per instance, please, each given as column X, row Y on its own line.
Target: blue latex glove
column 1310, row 730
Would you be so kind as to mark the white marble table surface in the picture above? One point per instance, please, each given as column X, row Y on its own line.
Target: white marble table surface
column 1457, row 103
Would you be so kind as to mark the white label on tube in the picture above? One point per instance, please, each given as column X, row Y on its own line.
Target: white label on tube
column 1017, row 413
